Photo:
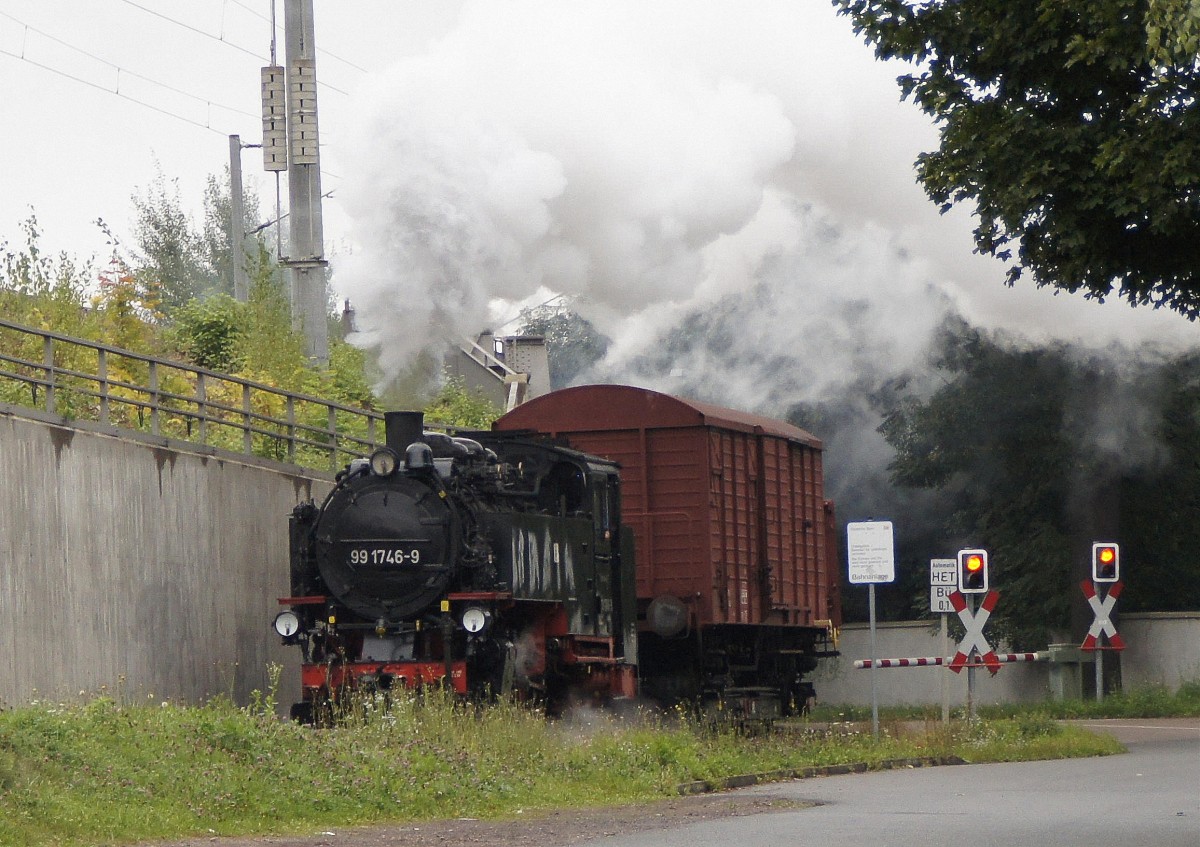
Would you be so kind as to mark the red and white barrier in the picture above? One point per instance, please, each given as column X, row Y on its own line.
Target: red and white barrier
column 930, row 661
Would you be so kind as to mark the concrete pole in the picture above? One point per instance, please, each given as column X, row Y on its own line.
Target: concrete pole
column 307, row 247
column 237, row 227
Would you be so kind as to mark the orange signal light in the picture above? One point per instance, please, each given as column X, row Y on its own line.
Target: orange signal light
column 973, row 571
column 1106, row 562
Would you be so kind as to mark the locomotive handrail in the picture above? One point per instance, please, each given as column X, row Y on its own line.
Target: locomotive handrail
column 179, row 400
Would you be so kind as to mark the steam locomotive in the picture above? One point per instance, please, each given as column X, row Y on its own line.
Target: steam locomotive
column 504, row 561
column 498, row 563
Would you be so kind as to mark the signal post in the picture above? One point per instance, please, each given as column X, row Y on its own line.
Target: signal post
column 1106, row 571
column 973, row 580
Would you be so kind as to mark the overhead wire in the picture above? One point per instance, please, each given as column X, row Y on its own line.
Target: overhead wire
column 220, row 40
column 196, row 30
column 320, row 50
column 322, row 85
column 88, row 82
column 115, row 89
column 119, row 71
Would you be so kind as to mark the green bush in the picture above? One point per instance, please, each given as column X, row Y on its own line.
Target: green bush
column 210, row 332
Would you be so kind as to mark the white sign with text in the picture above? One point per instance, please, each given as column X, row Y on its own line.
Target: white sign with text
column 870, row 552
column 943, row 581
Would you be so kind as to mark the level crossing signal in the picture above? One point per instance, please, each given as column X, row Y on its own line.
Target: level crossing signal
column 1106, row 561
column 973, row 571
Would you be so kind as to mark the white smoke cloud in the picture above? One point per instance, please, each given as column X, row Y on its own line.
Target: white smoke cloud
column 657, row 156
column 794, row 315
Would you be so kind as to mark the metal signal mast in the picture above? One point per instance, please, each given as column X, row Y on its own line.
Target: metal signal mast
column 290, row 142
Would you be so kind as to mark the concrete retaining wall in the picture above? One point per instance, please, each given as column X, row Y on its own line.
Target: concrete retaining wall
column 139, row 566
column 1162, row 649
column 150, row 569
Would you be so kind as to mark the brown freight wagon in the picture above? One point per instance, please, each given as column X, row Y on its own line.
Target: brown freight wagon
column 737, row 577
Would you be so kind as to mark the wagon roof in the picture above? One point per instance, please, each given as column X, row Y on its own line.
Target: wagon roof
column 587, row 408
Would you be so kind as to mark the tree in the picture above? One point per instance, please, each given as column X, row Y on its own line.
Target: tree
column 1073, row 127
column 1173, row 30
column 1036, row 451
column 1161, row 559
column 215, row 239
column 993, row 438
column 28, row 272
column 171, row 252
column 573, row 344
column 123, row 310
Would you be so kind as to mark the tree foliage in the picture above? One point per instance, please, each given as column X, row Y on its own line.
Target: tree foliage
column 183, row 262
column 457, row 405
column 170, row 252
column 26, row 270
column 1073, row 128
column 124, row 311
column 1159, row 508
column 1039, row 450
column 216, row 234
column 573, row 344
column 211, row 332
column 994, row 438
column 119, row 307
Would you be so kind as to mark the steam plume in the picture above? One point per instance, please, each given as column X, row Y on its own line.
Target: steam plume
column 667, row 159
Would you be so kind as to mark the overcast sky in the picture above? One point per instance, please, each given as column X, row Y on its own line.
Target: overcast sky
column 98, row 94
column 684, row 126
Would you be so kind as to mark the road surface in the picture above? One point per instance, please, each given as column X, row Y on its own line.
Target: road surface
column 1149, row 796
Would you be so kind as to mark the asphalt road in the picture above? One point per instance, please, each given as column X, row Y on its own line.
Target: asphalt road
column 1148, row 797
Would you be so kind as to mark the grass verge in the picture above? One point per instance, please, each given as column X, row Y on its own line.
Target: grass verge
column 1144, row 702
column 106, row 773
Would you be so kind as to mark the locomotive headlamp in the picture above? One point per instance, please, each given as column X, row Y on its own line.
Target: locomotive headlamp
column 287, row 624
column 384, row 462
column 475, row 620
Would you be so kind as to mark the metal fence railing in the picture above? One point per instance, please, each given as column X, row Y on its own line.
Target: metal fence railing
column 85, row 380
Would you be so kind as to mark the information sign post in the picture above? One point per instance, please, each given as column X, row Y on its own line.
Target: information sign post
column 943, row 581
column 871, row 556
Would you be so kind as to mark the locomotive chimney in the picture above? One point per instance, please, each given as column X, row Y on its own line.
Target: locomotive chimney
column 402, row 429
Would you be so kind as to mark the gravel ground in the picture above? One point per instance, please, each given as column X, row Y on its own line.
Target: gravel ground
column 552, row 829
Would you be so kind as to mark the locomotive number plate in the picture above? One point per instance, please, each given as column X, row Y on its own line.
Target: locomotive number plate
column 385, row 556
